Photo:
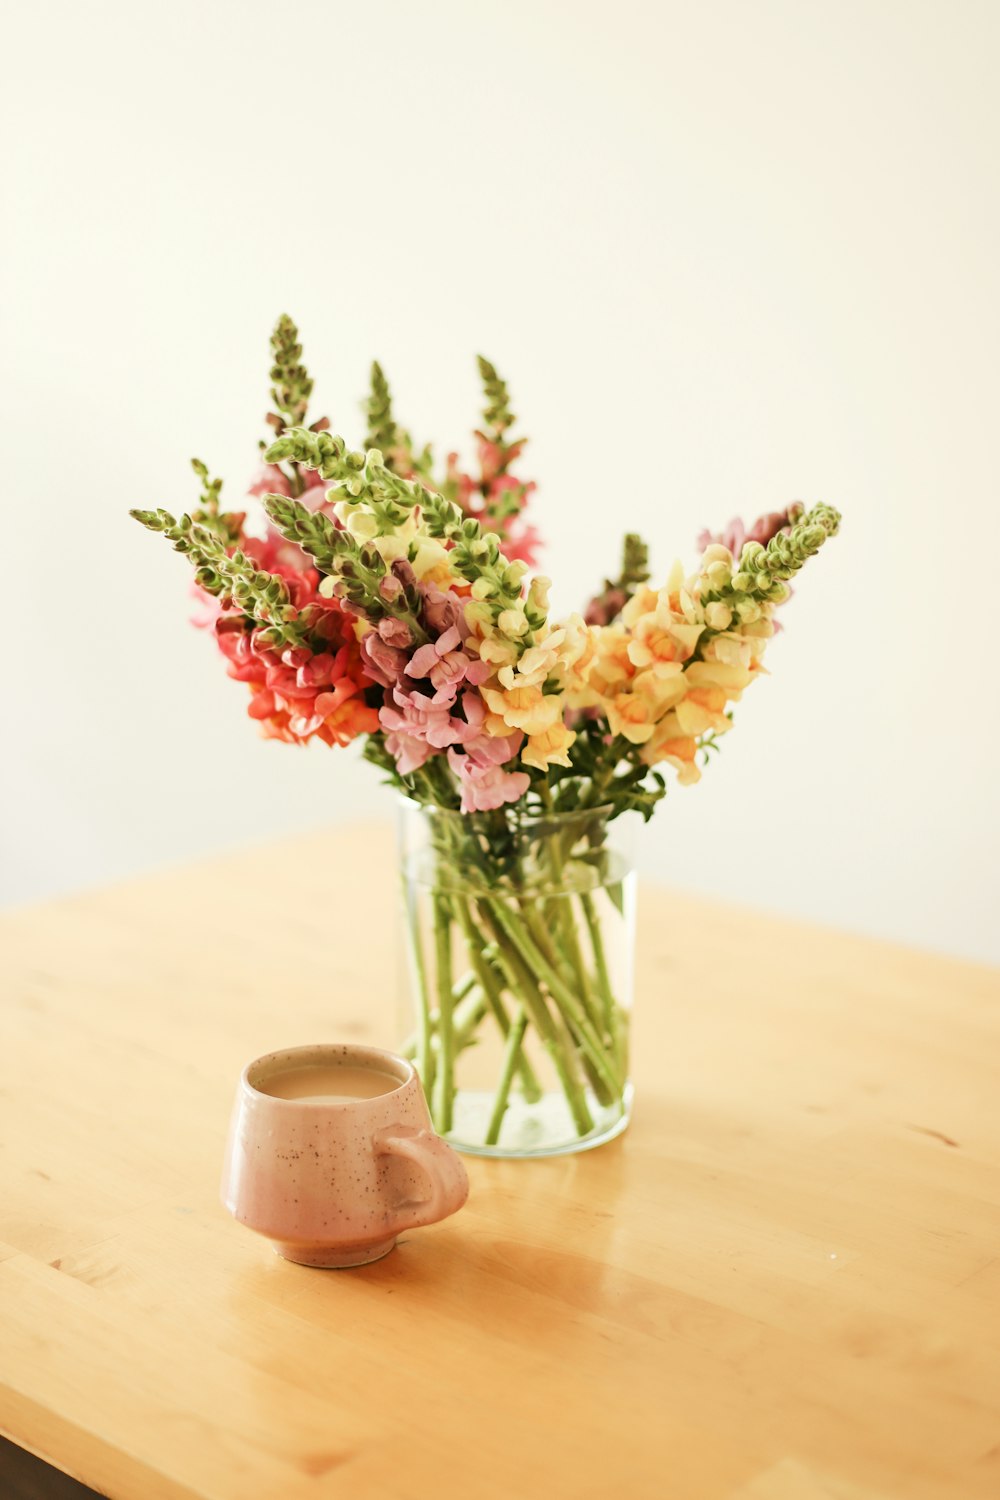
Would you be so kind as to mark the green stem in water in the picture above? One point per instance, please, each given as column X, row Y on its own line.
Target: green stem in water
column 530, row 1087
column 535, row 960
column 469, row 1008
column 601, row 967
column 444, row 1092
column 521, row 982
column 515, row 1037
column 564, row 924
column 418, row 968
column 572, row 976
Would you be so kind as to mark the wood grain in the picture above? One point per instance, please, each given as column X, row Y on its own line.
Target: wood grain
column 782, row 1284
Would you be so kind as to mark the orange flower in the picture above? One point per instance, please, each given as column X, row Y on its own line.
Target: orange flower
column 549, row 748
column 526, row 708
column 678, row 749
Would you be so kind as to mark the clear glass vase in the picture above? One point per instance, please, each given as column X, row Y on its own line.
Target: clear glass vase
column 518, row 937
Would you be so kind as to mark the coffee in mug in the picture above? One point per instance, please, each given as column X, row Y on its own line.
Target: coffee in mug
column 331, row 1154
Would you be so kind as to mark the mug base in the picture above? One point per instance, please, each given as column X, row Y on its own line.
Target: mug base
column 330, row 1258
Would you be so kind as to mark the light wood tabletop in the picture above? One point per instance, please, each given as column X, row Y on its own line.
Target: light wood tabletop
column 783, row 1283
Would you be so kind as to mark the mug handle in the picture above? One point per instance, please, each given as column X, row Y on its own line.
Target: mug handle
column 448, row 1181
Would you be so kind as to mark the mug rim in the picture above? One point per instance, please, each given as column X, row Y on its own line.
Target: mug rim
column 378, row 1059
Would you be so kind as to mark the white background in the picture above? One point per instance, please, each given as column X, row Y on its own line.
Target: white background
column 727, row 255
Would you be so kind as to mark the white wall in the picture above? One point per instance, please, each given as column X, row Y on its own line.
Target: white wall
column 727, row 255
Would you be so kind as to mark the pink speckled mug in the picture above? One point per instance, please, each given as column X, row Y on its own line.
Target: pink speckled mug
column 332, row 1179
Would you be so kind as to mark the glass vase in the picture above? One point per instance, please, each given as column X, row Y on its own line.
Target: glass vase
column 519, row 938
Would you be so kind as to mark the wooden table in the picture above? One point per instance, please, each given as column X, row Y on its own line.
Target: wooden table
column 782, row 1284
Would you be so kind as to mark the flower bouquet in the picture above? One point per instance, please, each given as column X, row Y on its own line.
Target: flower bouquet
column 377, row 598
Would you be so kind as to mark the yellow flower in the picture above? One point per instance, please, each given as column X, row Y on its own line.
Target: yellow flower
column 671, row 745
column 391, row 548
column 538, row 594
column 650, row 643
column 701, row 710
column 549, row 748
column 719, row 616
column 732, row 677
column 361, row 524
column 431, row 564
column 631, row 716
column 535, row 665
column 479, row 618
column 644, row 601
column 512, row 622
column 612, row 664
column 661, row 686
column 497, row 652
column 526, row 708
column 580, row 647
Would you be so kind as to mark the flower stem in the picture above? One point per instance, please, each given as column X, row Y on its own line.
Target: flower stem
column 469, row 1004
column 564, row 924
column 572, row 976
column 484, row 972
column 535, row 960
column 601, row 966
column 444, row 1092
column 515, row 1037
column 418, row 968
column 521, row 982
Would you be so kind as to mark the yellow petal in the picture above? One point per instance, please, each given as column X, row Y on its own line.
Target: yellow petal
column 717, row 674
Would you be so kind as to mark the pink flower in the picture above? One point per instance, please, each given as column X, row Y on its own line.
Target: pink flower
column 408, row 753
column 298, row 693
column 385, row 663
column 486, row 787
column 523, row 545
column 736, row 535
column 732, row 536
column 447, row 666
column 443, row 611
column 493, row 750
column 395, row 632
column 270, row 481
column 422, row 718
column 491, row 457
column 464, row 482
column 314, row 498
column 606, row 606
column 486, row 749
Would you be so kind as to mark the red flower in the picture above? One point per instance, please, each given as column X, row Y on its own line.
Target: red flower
column 302, row 692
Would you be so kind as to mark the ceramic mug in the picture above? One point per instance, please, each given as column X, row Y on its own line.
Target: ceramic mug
column 332, row 1181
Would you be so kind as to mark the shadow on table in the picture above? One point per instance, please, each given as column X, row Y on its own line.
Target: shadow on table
column 25, row 1477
